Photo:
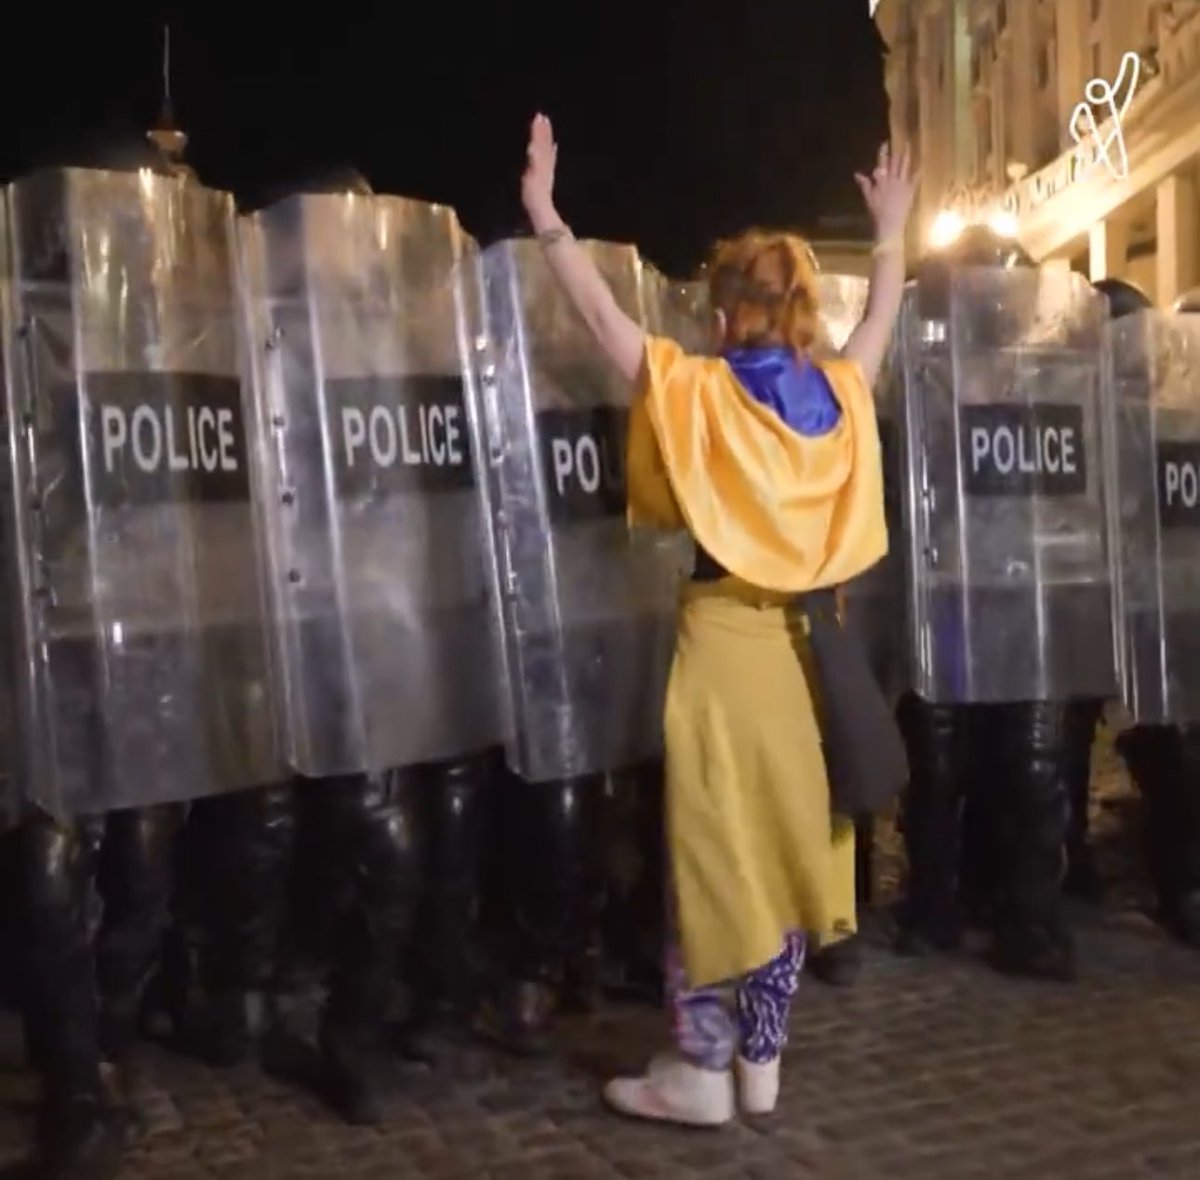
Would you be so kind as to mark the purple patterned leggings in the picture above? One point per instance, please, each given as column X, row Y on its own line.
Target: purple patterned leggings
column 707, row 1033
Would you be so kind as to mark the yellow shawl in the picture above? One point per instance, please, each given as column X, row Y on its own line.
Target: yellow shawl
column 778, row 510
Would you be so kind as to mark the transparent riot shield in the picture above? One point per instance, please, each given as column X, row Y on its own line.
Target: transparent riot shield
column 377, row 578
column 682, row 312
column 874, row 602
column 9, row 801
column 1155, row 366
column 843, row 302
column 586, row 607
column 1010, row 565
column 141, row 662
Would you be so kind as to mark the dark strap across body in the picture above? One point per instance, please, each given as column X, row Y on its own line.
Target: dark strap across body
column 865, row 756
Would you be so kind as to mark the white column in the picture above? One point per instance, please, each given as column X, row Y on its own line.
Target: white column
column 1177, row 212
column 1108, row 242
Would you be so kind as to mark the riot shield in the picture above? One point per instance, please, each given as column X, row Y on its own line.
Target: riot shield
column 681, row 311
column 1155, row 367
column 1009, row 566
column 141, row 662
column 367, row 489
column 586, row 607
column 843, row 302
column 874, row 602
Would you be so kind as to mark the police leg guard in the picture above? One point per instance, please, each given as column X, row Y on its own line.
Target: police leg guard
column 1164, row 762
column 1082, row 879
column 1030, row 742
column 552, row 851
column 445, row 968
column 980, row 858
column 936, row 737
column 133, row 879
column 372, row 827
column 633, row 917
column 80, row 1133
column 241, row 853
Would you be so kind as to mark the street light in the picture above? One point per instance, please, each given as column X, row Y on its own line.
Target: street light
column 1003, row 223
column 947, row 227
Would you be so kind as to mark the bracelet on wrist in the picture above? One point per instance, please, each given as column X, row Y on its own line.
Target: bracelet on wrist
column 551, row 237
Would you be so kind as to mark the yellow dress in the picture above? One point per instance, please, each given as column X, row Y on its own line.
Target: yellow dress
column 748, row 821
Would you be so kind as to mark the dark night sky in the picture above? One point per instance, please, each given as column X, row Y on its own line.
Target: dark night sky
column 678, row 121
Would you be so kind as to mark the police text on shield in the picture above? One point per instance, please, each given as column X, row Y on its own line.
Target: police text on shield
column 1022, row 450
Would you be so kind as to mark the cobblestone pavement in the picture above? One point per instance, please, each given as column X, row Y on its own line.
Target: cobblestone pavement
column 932, row 1069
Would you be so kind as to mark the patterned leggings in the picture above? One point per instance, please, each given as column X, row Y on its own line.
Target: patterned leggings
column 707, row 1033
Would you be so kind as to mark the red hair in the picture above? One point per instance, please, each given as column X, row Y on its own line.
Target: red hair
column 765, row 284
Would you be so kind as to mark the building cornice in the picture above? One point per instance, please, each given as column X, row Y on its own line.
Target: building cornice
column 1055, row 205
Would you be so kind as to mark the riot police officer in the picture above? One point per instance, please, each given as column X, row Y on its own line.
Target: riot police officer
column 140, row 661
column 375, row 577
column 1010, row 593
column 586, row 611
column 1155, row 364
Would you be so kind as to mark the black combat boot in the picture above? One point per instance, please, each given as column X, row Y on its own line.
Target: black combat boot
column 445, row 957
column 80, row 1134
column 552, row 851
column 1030, row 745
column 839, row 964
column 1083, row 879
column 633, row 916
column 1164, row 762
column 938, row 741
column 133, row 879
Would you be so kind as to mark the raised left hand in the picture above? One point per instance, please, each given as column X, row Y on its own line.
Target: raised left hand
column 889, row 191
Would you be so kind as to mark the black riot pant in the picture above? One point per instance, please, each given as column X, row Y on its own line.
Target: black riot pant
column 938, row 738
column 338, row 852
column 236, row 858
column 987, row 809
column 446, row 963
column 1164, row 762
column 82, row 992
column 633, row 921
column 547, row 860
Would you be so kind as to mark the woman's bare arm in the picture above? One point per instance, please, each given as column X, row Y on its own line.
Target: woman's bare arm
column 621, row 338
column 889, row 194
column 868, row 343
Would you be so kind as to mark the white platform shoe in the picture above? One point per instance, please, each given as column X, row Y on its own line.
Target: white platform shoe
column 758, row 1086
column 675, row 1091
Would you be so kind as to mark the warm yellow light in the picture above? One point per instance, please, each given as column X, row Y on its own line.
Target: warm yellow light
column 946, row 228
column 1003, row 224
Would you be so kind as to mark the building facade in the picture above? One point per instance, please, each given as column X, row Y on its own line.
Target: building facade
column 987, row 92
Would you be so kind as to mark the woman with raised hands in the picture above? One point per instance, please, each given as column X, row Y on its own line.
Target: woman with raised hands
column 772, row 462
